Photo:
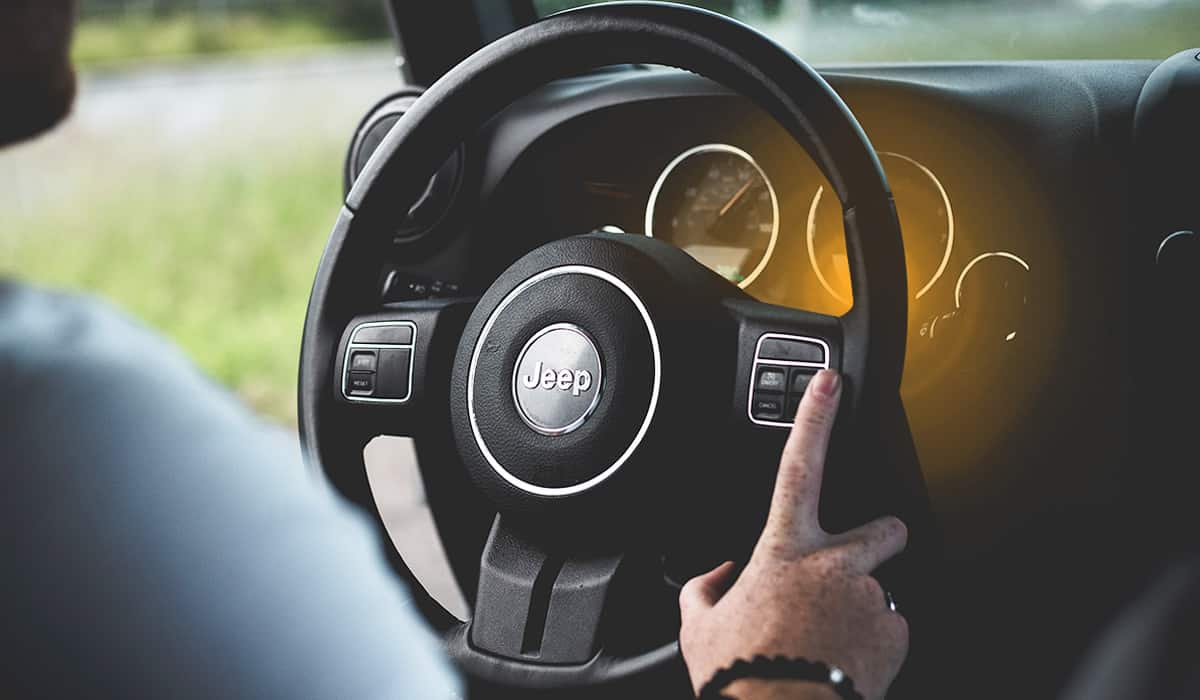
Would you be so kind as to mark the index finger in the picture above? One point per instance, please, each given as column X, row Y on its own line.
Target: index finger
column 794, row 506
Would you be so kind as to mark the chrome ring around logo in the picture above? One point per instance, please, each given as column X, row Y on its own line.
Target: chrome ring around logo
column 557, row 379
column 556, row 491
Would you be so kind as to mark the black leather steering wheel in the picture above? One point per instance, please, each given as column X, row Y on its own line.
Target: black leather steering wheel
column 598, row 396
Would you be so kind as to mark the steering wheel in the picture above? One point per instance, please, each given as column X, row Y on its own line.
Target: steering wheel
column 595, row 413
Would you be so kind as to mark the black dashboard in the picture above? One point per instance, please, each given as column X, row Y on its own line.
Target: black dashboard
column 1016, row 186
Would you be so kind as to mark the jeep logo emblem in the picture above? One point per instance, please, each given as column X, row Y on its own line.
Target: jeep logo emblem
column 556, row 382
column 575, row 381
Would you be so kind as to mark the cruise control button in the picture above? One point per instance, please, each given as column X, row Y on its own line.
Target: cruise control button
column 767, row 407
column 384, row 335
column 362, row 383
column 800, row 380
column 393, row 373
column 363, row 360
column 771, row 379
column 791, row 350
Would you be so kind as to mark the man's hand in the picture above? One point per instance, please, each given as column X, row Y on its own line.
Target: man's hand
column 804, row 592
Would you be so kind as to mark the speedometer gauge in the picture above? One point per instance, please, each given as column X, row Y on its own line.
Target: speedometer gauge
column 716, row 203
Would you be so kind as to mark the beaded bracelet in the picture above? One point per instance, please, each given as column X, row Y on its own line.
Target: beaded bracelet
column 780, row 667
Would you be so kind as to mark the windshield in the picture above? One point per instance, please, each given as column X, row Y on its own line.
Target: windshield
column 837, row 31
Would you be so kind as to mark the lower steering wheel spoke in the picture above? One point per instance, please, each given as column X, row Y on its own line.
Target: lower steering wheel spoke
column 547, row 602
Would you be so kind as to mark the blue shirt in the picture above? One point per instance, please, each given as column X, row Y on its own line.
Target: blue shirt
column 162, row 541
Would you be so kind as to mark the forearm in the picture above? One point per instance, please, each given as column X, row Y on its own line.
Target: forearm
column 763, row 689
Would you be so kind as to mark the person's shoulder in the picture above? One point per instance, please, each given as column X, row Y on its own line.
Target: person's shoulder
column 46, row 333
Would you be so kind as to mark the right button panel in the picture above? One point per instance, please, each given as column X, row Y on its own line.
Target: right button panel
column 779, row 356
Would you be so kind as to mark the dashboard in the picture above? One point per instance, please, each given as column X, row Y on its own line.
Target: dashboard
column 1015, row 187
column 988, row 257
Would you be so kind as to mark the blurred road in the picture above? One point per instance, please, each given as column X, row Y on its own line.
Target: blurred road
column 174, row 115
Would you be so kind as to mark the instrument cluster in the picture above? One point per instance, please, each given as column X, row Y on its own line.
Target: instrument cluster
column 719, row 204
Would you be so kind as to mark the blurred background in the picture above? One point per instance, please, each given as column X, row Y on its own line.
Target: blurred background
column 196, row 180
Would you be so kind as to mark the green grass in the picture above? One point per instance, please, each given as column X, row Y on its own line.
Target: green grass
column 132, row 37
column 220, row 259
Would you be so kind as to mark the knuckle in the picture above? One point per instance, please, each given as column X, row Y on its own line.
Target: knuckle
column 687, row 595
column 896, row 529
column 871, row 589
column 828, row 561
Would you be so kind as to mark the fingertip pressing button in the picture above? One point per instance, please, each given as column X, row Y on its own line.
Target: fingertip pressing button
column 800, row 380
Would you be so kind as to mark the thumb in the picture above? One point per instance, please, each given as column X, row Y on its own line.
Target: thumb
column 703, row 592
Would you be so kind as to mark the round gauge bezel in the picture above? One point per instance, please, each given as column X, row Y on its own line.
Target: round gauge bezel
column 811, row 226
column 962, row 276
column 727, row 149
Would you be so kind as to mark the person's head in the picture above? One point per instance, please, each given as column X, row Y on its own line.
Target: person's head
column 37, row 80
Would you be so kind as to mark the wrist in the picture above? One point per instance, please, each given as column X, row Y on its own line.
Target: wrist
column 779, row 689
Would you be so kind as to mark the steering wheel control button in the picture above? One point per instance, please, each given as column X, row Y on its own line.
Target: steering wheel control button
column 771, row 379
column 791, row 350
column 791, row 361
column 378, row 364
column 557, row 380
column 363, row 361
column 800, row 380
column 392, row 381
column 362, row 383
column 385, row 335
column 767, row 407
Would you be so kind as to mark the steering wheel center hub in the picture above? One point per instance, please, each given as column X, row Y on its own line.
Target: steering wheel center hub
column 563, row 381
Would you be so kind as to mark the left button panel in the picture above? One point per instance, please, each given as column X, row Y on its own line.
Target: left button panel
column 378, row 365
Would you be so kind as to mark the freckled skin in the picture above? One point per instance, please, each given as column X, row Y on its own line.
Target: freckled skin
column 804, row 592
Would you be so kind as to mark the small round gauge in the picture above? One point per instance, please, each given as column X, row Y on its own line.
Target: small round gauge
column 716, row 203
column 995, row 288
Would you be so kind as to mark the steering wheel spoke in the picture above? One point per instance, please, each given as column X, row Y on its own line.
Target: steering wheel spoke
column 393, row 366
column 547, row 602
column 779, row 350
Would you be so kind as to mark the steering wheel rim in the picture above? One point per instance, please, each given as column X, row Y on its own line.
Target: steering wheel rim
column 456, row 106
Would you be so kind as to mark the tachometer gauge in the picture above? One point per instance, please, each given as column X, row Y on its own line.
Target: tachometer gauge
column 716, row 203
column 926, row 217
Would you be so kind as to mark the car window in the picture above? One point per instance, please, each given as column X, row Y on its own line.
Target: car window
column 195, row 182
column 925, row 30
